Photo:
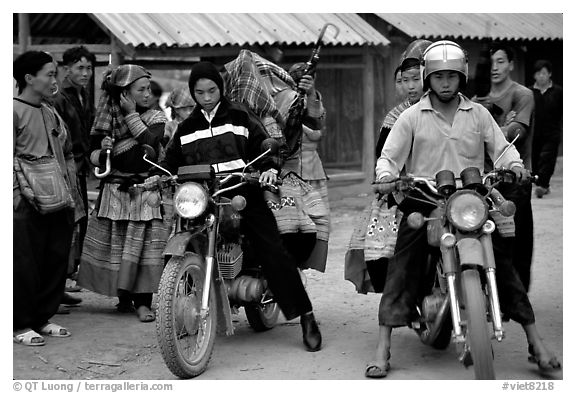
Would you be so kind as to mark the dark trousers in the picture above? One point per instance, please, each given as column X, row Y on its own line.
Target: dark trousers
column 41, row 249
column 522, row 245
column 407, row 276
column 279, row 267
column 83, row 222
column 544, row 156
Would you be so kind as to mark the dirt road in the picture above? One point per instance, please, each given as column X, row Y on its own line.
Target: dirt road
column 109, row 345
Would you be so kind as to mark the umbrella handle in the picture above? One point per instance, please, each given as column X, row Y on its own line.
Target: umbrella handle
column 323, row 31
column 108, row 167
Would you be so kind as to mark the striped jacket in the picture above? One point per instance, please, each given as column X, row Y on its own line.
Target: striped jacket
column 228, row 142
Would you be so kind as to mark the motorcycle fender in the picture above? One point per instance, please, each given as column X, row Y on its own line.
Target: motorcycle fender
column 470, row 252
column 177, row 244
column 225, row 325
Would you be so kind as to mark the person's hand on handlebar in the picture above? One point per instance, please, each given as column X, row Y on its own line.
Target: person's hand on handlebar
column 385, row 185
column 152, row 180
column 523, row 175
column 268, row 177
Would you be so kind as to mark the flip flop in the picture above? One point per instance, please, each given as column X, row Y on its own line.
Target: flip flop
column 145, row 314
column 29, row 338
column 53, row 330
column 551, row 365
column 374, row 370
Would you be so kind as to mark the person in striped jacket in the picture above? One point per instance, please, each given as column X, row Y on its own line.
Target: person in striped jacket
column 227, row 135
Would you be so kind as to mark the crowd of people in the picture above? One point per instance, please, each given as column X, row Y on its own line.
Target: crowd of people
column 116, row 249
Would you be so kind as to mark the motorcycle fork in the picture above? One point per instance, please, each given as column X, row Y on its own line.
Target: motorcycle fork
column 490, row 269
column 451, row 269
column 209, row 267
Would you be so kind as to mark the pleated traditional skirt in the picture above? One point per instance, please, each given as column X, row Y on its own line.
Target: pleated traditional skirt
column 124, row 252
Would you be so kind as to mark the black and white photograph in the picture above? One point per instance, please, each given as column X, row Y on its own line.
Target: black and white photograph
column 288, row 196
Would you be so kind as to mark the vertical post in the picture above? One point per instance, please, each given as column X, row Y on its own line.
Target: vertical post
column 114, row 52
column 23, row 32
column 368, row 160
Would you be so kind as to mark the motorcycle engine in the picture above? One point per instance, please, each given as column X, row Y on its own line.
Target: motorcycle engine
column 431, row 305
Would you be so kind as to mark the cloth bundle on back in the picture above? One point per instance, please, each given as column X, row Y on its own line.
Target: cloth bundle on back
column 268, row 89
column 254, row 81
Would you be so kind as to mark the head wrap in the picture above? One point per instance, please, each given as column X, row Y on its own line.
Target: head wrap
column 205, row 70
column 181, row 101
column 127, row 74
column 412, row 56
column 109, row 120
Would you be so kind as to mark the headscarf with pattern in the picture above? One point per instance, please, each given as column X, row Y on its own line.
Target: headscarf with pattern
column 109, row 119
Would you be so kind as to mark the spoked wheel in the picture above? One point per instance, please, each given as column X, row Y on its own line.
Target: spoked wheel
column 477, row 333
column 186, row 337
column 262, row 316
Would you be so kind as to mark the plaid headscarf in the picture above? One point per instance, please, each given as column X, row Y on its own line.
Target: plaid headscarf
column 412, row 56
column 181, row 102
column 109, row 120
column 253, row 80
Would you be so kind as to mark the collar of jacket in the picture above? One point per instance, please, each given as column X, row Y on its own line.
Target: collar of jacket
column 220, row 112
column 69, row 86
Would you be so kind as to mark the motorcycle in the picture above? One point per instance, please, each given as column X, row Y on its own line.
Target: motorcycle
column 207, row 277
column 462, row 296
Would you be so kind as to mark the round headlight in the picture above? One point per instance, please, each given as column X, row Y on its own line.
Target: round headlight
column 190, row 200
column 467, row 211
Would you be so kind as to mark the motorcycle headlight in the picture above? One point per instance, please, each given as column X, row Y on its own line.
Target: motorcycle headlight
column 190, row 200
column 467, row 210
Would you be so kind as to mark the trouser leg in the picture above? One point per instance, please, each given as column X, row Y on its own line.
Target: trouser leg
column 54, row 268
column 41, row 249
column 26, row 259
column 523, row 242
column 406, row 269
column 513, row 296
column 547, row 161
column 259, row 226
column 83, row 223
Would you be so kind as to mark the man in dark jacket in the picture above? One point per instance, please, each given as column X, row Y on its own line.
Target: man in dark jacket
column 548, row 118
column 73, row 104
column 227, row 136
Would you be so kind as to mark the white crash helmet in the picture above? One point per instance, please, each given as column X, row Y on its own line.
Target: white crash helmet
column 444, row 56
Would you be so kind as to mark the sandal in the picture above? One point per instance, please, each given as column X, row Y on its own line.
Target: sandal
column 145, row 314
column 551, row 365
column 377, row 370
column 53, row 330
column 374, row 370
column 29, row 338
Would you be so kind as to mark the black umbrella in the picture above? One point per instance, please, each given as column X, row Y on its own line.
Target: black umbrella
column 293, row 128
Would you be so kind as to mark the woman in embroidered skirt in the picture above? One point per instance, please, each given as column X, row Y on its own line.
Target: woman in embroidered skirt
column 126, row 235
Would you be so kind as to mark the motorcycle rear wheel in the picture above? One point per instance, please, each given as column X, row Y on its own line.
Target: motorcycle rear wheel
column 186, row 339
column 477, row 332
column 262, row 317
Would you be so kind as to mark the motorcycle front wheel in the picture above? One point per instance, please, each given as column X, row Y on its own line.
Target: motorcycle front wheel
column 185, row 336
column 262, row 317
column 477, row 331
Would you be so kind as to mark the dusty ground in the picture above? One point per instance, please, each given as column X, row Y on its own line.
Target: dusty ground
column 109, row 345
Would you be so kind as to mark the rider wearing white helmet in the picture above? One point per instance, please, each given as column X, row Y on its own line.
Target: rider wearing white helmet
column 444, row 130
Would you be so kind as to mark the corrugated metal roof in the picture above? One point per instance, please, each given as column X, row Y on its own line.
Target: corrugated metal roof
column 197, row 30
column 474, row 26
